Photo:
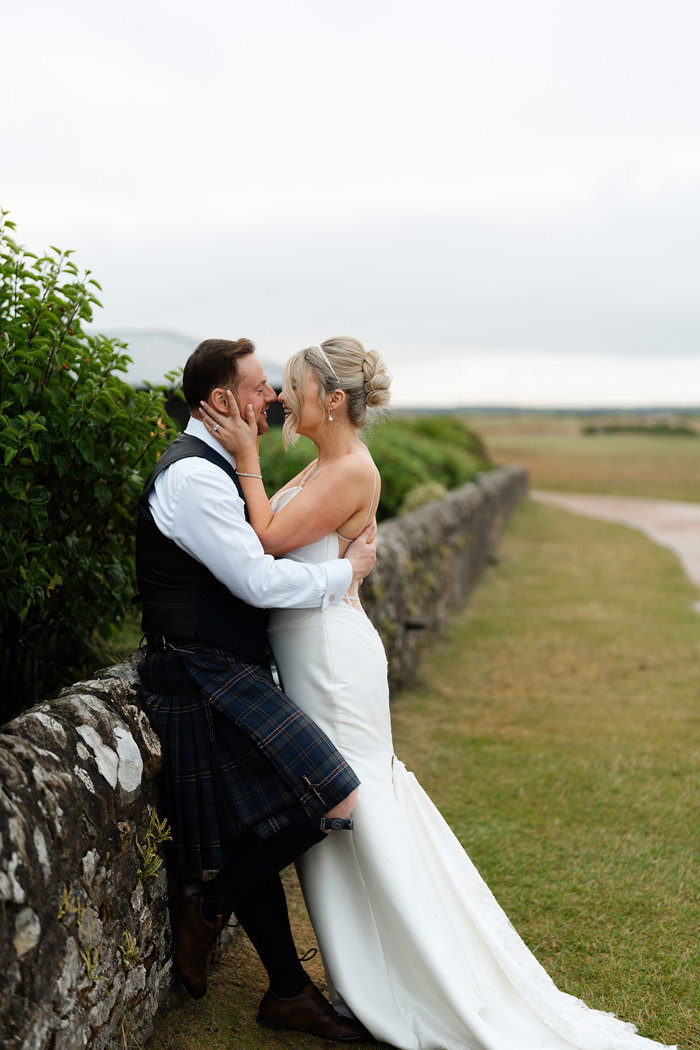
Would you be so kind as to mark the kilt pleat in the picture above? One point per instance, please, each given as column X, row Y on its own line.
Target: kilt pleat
column 237, row 753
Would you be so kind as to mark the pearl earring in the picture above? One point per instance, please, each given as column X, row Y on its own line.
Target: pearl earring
column 330, row 417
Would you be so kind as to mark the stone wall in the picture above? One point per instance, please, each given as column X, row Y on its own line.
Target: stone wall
column 85, row 942
column 85, row 938
column 430, row 561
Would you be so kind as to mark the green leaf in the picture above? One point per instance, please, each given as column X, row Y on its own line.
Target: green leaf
column 102, row 493
column 85, row 447
column 14, row 488
column 39, row 496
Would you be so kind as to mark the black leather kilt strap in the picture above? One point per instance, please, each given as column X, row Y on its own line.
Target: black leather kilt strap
column 163, row 643
column 160, row 643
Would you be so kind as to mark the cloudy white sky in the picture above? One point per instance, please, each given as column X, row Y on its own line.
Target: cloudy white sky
column 502, row 197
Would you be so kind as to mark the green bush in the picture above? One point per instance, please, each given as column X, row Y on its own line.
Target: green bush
column 279, row 466
column 76, row 444
column 409, row 454
column 451, row 430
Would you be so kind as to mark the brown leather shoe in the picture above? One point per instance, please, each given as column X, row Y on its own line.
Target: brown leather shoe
column 309, row 1012
column 195, row 939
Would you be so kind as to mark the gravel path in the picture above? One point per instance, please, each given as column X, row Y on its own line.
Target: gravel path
column 671, row 524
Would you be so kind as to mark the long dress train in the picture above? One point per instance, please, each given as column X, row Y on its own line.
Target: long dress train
column 413, row 942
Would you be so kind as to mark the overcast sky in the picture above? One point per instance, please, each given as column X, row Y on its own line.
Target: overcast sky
column 503, row 198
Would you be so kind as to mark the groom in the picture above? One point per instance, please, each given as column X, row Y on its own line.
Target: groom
column 250, row 781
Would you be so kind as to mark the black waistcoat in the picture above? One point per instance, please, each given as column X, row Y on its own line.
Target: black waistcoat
column 179, row 595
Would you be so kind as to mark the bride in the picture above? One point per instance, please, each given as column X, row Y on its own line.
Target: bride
column 413, row 942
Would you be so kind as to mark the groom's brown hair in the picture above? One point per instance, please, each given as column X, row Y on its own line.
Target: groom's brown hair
column 214, row 363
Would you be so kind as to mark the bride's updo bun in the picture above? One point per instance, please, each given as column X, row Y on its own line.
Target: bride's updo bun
column 343, row 364
column 377, row 380
column 360, row 373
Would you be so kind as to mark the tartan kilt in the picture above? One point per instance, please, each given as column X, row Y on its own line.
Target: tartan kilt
column 237, row 752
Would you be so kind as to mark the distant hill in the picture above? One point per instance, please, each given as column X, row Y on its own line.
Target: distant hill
column 156, row 351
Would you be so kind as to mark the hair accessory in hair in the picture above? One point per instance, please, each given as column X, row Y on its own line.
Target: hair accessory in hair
column 325, row 358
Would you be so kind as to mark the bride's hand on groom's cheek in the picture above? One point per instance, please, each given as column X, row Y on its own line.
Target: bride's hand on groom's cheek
column 235, row 432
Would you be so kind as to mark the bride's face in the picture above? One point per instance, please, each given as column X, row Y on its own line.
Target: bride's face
column 303, row 408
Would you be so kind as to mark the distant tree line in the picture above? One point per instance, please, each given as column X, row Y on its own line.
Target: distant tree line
column 655, row 427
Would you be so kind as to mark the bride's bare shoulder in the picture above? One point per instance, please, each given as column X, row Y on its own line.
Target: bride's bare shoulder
column 358, row 472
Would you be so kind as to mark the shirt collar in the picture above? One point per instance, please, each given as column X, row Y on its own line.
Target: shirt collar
column 196, row 428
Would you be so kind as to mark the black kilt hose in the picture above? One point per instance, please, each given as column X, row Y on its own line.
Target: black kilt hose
column 237, row 752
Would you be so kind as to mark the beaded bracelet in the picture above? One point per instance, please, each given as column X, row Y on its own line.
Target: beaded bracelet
column 242, row 474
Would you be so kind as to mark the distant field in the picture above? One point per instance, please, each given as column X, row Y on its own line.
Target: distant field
column 558, row 456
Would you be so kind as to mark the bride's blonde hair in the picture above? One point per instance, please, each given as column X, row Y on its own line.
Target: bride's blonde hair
column 337, row 364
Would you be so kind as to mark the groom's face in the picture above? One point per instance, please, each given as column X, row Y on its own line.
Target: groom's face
column 254, row 389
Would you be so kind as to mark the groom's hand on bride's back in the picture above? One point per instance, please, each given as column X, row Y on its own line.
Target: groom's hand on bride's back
column 362, row 552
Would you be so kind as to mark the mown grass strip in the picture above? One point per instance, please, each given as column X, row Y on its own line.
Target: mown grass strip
column 558, row 728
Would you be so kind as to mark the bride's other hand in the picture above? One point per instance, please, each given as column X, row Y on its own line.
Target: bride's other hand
column 362, row 553
column 238, row 434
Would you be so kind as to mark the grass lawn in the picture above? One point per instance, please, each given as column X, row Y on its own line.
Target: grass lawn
column 558, row 456
column 556, row 726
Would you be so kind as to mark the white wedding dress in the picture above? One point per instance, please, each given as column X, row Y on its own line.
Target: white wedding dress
column 413, row 942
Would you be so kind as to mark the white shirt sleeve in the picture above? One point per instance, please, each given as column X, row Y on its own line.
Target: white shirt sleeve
column 195, row 504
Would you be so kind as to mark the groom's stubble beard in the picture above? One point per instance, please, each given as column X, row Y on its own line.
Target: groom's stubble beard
column 261, row 420
column 263, row 425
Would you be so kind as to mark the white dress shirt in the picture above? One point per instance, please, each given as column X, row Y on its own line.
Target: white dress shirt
column 195, row 504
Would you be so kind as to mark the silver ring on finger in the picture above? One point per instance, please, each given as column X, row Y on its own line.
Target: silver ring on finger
column 215, row 426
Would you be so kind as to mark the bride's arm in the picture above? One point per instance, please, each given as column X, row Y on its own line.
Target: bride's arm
column 336, row 493
column 327, row 502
